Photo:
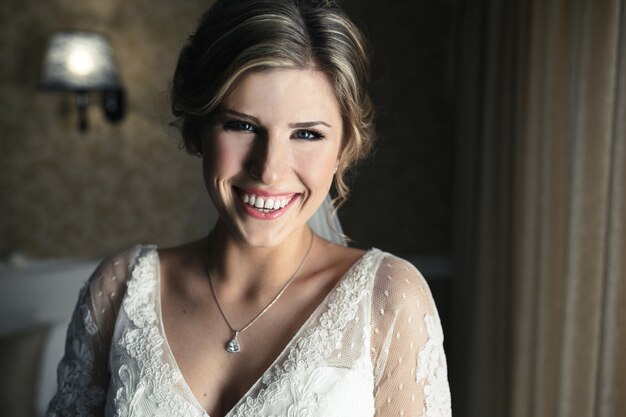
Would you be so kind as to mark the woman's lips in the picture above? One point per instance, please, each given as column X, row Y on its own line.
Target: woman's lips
column 265, row 205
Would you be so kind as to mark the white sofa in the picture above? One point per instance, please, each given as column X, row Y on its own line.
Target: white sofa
column 36, row 301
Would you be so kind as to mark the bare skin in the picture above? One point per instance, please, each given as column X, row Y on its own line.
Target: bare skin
column 277, row 133
column 196, row 331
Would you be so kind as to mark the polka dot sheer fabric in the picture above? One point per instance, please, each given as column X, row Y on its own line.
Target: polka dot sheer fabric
column 410, row 374
column 374, row 346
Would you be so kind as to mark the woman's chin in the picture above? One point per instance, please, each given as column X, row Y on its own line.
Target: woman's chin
column 263, row 236
column 267, row 238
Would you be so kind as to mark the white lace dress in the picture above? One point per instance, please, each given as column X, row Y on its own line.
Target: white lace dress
column 373, row 347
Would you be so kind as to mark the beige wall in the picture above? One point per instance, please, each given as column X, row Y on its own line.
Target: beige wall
column 67, row 194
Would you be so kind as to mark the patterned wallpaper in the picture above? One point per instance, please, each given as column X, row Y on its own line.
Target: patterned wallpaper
column 63, row 193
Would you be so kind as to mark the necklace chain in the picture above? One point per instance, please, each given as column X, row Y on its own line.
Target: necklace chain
column 233, row 345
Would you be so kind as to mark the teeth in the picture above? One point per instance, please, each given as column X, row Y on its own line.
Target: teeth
column 263, row 205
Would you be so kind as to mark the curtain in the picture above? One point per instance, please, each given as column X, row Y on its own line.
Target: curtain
column 540, row 293
column 485, row 73
column 569, row 320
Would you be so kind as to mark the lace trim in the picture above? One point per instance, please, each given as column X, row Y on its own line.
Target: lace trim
column 156, row 379
column 315, row 345
column 88, row 322
column 144, row 343
column 431, row 367
column 76, row 390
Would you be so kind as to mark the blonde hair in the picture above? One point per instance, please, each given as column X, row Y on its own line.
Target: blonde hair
column 238, row 36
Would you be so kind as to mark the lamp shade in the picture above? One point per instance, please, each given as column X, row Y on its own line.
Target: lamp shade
column 79, row 61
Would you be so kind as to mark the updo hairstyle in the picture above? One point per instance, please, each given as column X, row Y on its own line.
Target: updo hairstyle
column 238, row 36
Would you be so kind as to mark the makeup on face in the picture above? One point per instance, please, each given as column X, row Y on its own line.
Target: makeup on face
column 266, row 205
column 271, row 152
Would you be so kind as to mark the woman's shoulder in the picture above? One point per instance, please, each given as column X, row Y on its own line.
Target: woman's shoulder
column 377, row 263
column 399, row 282
column 117, row 267
column 180, row 255
column 109, row 279
column 337, row 259
column 101, row 296
column 395, row 268
column 386, row 273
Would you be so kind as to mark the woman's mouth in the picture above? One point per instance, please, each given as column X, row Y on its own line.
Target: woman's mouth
column 264, row 205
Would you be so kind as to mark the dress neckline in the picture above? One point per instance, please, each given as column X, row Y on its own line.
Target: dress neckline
column 307, row 323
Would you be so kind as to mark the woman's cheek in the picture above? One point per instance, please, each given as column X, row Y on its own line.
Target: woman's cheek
column 226, row 158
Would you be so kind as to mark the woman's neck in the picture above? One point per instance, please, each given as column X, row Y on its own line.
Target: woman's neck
column 252, row 271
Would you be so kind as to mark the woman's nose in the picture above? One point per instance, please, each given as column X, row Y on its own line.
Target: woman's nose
column 269, row 159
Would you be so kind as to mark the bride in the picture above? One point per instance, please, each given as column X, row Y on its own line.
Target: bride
column 263, row 317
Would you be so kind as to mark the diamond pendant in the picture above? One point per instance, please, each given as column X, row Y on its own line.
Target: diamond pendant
column 233, row 345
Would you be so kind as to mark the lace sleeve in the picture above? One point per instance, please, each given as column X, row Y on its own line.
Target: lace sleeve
column 82, row 374
column 410, row 373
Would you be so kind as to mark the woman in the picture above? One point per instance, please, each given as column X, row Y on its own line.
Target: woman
column 263, row 317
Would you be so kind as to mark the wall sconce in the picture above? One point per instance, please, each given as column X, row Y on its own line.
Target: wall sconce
column 82, row 63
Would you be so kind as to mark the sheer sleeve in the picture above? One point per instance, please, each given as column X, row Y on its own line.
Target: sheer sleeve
column 82, row 374
column 410, row 373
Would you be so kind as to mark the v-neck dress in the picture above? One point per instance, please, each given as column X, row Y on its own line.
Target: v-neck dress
column 374, row 346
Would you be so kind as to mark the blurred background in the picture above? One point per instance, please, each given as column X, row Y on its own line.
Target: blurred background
column 498, row 171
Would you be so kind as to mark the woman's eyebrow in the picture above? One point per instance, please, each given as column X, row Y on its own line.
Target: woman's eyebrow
column 304, row 125
column 297, row 125
column 242, row 115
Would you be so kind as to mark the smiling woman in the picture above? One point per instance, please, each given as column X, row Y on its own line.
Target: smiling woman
column 275, row 138
column 262, row 317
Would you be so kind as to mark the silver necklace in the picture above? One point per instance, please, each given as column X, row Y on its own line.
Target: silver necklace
column 233, row 345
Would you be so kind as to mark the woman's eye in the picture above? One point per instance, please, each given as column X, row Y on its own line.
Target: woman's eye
column 308, row 135
column 240, row 125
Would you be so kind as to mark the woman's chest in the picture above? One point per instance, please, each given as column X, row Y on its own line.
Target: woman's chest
column 319, row 373
column 323, row 369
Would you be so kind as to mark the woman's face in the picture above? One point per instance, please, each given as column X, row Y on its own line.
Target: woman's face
column 270, row 153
